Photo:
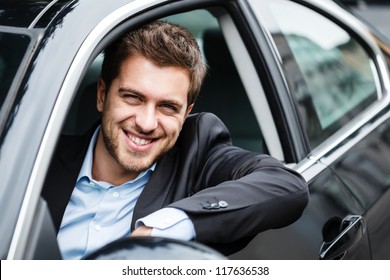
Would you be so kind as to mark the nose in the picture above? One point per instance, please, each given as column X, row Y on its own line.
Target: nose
column 146, row 119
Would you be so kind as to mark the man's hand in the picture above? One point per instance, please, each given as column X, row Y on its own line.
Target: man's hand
column 142, row 231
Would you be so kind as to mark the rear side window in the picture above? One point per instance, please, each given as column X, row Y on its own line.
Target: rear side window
column 12, row 50
column 331, row 75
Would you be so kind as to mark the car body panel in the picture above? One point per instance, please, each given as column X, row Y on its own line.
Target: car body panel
column 370, row 183
column 21, row 13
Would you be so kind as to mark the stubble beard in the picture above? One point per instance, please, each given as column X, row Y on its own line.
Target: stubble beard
column 131, row 161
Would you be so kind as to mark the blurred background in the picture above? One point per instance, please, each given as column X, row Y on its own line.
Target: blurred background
column 375, row 12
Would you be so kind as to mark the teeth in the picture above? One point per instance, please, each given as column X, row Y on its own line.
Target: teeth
column 139, row 141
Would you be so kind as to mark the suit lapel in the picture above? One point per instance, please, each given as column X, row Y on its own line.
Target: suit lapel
column 63, row 172
column 155, row 194
column 173, row 178
column 61, row 179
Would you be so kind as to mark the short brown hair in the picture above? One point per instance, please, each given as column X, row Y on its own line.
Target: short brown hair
column 165, row 44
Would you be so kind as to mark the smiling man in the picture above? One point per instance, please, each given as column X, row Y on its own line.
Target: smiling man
column 143, row 112
column 152, row 169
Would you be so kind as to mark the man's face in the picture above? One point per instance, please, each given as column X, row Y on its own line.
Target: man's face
column 142, row 112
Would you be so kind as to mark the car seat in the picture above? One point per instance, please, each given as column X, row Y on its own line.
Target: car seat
column 224, row 95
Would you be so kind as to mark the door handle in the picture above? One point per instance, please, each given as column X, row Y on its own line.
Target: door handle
column 352, row 229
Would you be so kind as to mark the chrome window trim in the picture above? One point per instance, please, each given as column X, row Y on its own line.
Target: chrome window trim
column 34, row 22
column 68, row 89
column 309, row 168
column 340, row 137
column 340, row 150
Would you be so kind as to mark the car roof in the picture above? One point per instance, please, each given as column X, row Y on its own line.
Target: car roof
column 29, row 13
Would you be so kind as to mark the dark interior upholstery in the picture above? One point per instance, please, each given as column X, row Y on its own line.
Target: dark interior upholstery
column 223, row 94
column 83, row 113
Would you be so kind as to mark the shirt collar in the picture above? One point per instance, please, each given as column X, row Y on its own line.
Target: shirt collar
column 86, row 168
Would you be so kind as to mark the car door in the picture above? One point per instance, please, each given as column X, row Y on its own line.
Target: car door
column 70, row 106
column 245, row 88
column 337, row 77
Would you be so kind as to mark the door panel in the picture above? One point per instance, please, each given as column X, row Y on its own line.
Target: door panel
column 330, row 202
column 42, row 241
column 365, row 169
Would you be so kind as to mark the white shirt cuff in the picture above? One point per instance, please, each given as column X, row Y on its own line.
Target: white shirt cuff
column 169, row 223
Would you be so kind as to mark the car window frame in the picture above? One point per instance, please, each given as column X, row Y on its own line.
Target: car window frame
column 34, row 36
column 109, row 28
column 14, row 196
column 344, row 138
column 316, row 132
column 105, row 31
column 253, row 86
column 362, row 35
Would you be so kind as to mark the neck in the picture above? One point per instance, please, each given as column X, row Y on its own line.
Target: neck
column 106, row 168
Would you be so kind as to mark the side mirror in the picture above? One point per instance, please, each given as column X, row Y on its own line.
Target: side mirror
column 154, row 248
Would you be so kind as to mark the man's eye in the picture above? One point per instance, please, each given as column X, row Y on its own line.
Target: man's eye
column 169, row 107
column 131, row 97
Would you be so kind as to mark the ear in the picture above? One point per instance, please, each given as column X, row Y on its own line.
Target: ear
column 189, row 109
column 101, row 95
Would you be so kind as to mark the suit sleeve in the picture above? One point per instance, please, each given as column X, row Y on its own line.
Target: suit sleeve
column 239, row 193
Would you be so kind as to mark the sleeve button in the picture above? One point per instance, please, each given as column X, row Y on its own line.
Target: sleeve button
column 215, row 205
column 223, row 204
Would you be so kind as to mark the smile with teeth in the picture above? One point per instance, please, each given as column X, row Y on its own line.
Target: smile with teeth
column 138, row 141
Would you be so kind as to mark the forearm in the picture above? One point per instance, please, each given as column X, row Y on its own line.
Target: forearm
column 272, row 197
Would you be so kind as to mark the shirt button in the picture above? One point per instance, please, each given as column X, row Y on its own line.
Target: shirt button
column 98, row 227
column 91, row 183
column 115, row 194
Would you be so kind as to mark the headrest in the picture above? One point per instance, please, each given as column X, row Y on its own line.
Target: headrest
column 217, row 53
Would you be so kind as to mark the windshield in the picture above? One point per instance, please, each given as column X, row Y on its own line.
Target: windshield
column 12, row 50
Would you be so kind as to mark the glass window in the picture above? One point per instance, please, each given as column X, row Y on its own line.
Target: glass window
column 12, row 50
column 331, row 75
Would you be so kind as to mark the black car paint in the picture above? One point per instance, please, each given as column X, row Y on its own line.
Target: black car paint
column 56, row 39
column 54, row 50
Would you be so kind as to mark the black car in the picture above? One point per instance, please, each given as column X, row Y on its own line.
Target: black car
column 304, row 81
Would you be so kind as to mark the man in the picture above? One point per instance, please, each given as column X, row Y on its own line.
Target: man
column 151, row 169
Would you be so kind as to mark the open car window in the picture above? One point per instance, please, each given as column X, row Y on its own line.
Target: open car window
column 222, row 93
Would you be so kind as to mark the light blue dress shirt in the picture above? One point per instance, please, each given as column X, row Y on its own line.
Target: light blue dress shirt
column 99, row 213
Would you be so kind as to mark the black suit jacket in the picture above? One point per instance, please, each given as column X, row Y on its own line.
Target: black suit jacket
column 203, row 169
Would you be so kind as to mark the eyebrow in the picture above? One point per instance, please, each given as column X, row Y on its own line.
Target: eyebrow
column 172, row 102
column 127, row 89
